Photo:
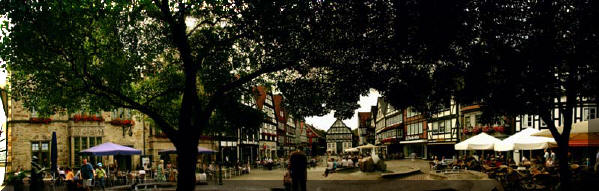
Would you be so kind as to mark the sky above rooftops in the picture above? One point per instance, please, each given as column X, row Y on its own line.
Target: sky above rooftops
column 324, row 122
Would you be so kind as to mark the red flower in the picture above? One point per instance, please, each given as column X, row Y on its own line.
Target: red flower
column 40, row 120
column 466, row 131
column 116, row 122
column 476, row 130
column 77, row 117
column 488, row 129
column 500, row 129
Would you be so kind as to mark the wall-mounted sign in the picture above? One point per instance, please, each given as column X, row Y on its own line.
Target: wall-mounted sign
column 412, row 137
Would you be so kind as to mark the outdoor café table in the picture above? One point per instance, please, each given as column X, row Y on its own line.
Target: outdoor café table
column 574, row 166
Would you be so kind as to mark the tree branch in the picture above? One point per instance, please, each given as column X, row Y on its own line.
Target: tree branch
column 546, row 116
column 220, row 92
column 203, row 23
column 108, row 93
column 163, row 93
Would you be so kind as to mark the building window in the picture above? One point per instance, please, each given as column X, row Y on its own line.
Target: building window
column 479, row 120
column 82, row 143
column 450, row 125
column 467, row 122
column 589, row 113
column 529, row 120
column 41, row 149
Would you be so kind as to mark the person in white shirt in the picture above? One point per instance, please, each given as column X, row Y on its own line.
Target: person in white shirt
column 350, row 163
column 329, row 168
column 344, row 162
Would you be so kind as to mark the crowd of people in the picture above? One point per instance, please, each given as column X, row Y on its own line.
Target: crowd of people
column 344, row 161
column 501, row 167
column 89, row 176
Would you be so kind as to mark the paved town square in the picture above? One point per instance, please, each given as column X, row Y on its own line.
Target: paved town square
column 299, row 95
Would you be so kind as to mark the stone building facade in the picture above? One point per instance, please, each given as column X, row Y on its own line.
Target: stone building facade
column 30, row 135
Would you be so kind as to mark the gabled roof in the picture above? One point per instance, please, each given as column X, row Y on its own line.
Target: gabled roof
column 389, row 108
column 260, row 96
column 339, row 124
column 381, row 106
column 311, row 129
column 363, row 117
column 278, row 101
column 373, row 111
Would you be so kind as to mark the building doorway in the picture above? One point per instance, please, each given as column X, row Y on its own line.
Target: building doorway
column 339, row 147
column 123, row 162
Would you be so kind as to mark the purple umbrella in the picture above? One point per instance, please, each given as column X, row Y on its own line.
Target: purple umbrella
column 174, row 150
column 110, row 149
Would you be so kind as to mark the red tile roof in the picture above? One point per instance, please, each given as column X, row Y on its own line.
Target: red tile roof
column 278, row 99
column 363, row 117
column 260, row 96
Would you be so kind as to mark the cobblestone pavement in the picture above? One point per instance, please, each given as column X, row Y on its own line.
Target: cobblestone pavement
column 316, row 173
column 261, row 179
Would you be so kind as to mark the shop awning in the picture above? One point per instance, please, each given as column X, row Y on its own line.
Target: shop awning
column 109, row 148
column 481, row 141
column 442, row 143
column 413, row 141
column 524, row 140
column 174, row 150
column 582, row 134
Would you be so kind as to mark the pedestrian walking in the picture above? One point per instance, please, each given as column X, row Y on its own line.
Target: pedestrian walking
column 87, row 174
column 100, row 176
column 298, row 164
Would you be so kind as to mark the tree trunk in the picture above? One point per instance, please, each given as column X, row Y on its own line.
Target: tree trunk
column 187, row 153
column 564, row 168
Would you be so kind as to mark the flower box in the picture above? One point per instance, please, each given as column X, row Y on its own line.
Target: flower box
column 466, row 131
column 488, row 129
column 119, row 122
column 476, row 130
column 40, row 120
column 79, row 118
column 500, row 129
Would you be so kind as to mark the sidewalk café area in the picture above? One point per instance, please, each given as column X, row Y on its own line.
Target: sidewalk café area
column 528, row 159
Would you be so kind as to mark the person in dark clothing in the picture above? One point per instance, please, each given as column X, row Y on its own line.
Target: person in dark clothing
column 298, row 162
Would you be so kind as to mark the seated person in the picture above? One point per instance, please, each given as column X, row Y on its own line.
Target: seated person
column 498, row 163
column 350, row 163
column 549, row 162
column 525, row 162
column 335, row 164
column 330, row 168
